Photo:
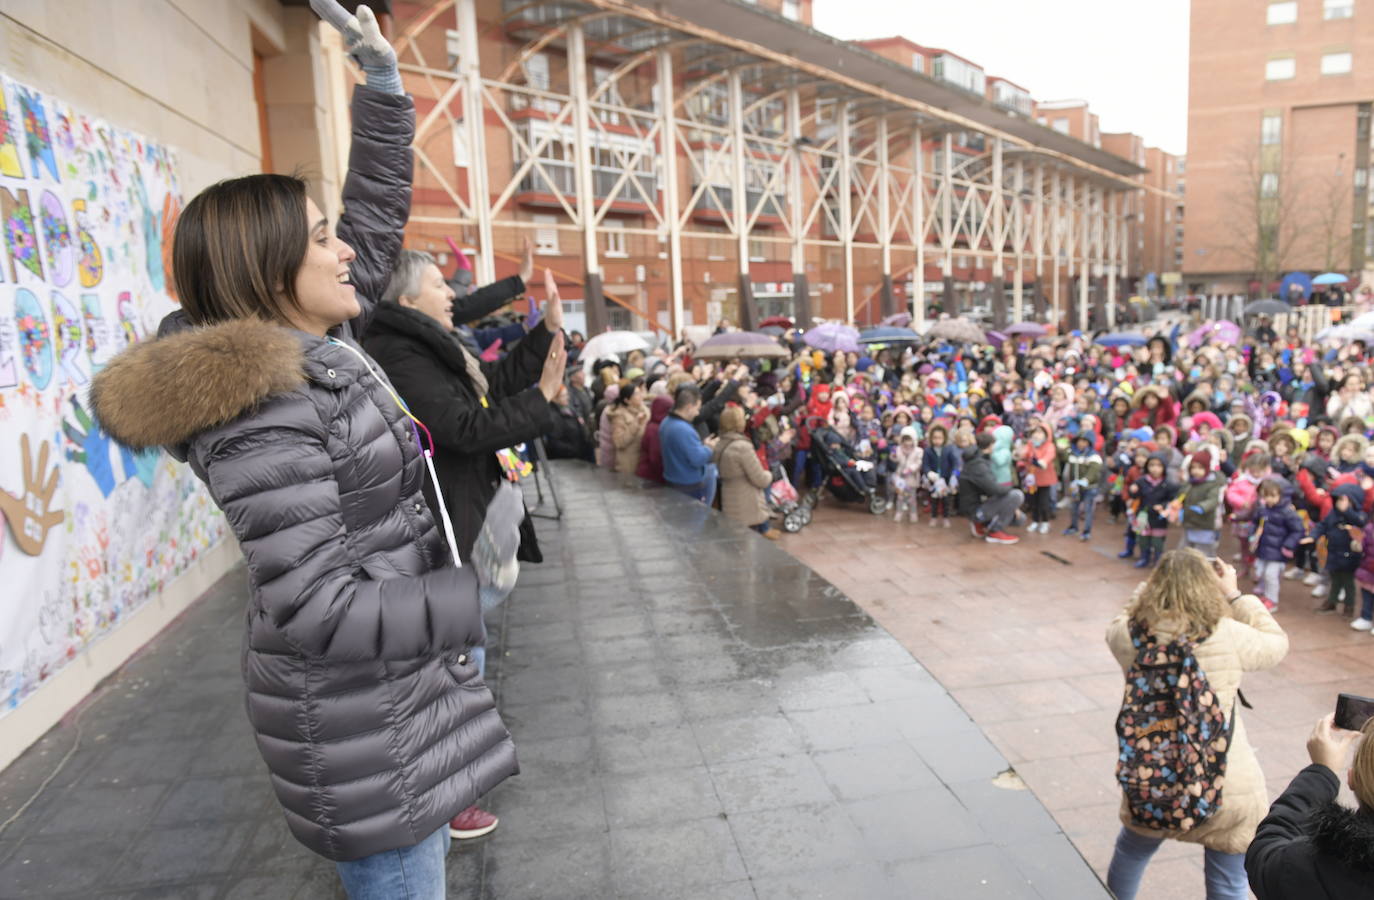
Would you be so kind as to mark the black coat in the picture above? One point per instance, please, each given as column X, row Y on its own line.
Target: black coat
column 1310, row 847
column 977, row 482
column 425, row 365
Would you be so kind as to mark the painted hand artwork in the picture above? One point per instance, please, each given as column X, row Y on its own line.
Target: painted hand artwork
column 92, row 529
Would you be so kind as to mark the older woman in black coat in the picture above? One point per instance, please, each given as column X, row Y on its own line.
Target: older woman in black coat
column 472, row 408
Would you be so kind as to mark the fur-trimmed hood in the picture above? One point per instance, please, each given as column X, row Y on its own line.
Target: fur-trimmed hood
column 164, row 392
column 1344, row 834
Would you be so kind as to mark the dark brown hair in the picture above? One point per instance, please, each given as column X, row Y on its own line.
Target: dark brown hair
column 237, row 248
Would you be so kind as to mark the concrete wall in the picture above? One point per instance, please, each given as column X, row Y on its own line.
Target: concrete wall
column 181, row 73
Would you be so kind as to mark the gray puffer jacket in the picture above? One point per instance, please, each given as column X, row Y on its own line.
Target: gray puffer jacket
column 372, row 720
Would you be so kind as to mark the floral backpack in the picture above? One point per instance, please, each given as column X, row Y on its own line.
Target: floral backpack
column 1172, row 735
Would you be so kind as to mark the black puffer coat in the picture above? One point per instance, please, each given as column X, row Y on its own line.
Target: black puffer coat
column 425, row 365
column 1310, row 847
column 374, row 725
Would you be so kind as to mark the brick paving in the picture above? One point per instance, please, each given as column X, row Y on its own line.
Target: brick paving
column 697, row 714
column 1017, row 637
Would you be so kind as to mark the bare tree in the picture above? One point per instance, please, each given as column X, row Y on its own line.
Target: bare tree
column 1262, row 218
column 1330, row 201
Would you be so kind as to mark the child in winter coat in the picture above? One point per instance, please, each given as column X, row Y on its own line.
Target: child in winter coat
column 1131, row 499
column 1343, row 529
column 1001, row 454
column 1082, row 473
column 939, row 473
column 1201, row 503
column 1348, row 452
column 1364, row 579
column 1155, row 492
column 1242, row 501
column 1039, row 456
column 1277, row 532
column 906, row 474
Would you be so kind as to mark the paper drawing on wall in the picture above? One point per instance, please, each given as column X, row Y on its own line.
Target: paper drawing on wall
column 29, row 514
column 9, row 147
column 36, row 134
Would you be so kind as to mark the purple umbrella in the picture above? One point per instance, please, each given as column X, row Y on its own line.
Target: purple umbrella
column 832, row 337
column 995, row 338
column 1028, row 329
column 1223, row 331
column 898, row 320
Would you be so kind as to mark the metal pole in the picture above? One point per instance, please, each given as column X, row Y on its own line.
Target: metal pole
column 1113, row 253
column 801, row 285
column 1084, row 248
column 918, row 282
column 885, row 218
column 586, row 192
column 470, row 70
column 947, row 224
column 1038, row 235
column 1056, row 237
column 999, row 207
column 668, row 140
column 739, row 198
column 846, row 213
column 1018, row 223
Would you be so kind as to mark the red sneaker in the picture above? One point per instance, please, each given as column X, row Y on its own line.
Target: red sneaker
column 1001, row 537
column 472, row 823
column 978, row 529
column 1270, row 605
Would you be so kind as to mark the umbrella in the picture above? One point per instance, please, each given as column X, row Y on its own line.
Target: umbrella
column 1028, row 329
column 610, row 343
column 1223, row 331
column 1363, row 322
column 1346, row 332
column 899, row 320
column 832, row 337
column 772, row 330
column 885, row 334
column 780, row 321
column 1120, row 339
column 996, row 338
column 1267, row 307
column 959, row 331
column 1330, row 278
column 744, row 344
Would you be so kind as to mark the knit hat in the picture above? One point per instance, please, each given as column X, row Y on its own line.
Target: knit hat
column 908, row 431
column 1202, row 458
column 1141, row 434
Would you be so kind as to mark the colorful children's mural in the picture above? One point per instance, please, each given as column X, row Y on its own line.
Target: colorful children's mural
column 88, row 529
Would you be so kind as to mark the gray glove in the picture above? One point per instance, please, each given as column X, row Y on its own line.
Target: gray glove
column 364, row 42
column 493, row 553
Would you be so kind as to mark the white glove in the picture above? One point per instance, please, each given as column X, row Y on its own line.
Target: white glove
column 364, row 42
column 863, row 465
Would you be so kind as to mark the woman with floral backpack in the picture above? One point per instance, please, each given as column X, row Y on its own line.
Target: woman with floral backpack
column 1187, row 770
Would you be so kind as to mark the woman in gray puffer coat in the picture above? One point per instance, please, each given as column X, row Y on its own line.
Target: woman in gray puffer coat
column 370, row 715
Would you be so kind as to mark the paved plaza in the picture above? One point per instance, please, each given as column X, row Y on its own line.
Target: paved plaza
column 698, row 715
column 1017, row 636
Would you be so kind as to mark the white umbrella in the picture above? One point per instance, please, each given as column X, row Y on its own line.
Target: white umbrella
column 610, row 344
column 1364, row 322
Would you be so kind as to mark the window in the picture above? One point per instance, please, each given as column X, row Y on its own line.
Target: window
column 452, row 42
column 1271, row 129
column 1061, row 126
column 957, row 72
column 610, row 96
column 461, row 158
column 1338, row 9
column 546, row 235
column 1269, row 184
column 791, row 9
column 615, row 243
column 1282, row 13
column 1336, row 63
column 537, row 72
column 1280, row 69
column 918, row 62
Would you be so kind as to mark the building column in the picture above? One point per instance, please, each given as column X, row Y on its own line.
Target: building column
column 1019, row 239
column 1056, row 238
column 918, row 281
column 846, row 211
column 888, row 305
column 801, row 288
column 672, row 217
column 474, row 123
column 593, row 300
column 950, row 304
column 748, row 316
column 1113, row 251
column 999, row 201
column 1084, row 245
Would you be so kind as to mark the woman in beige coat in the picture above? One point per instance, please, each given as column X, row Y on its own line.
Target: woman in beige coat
column 742, row 476
column 1194, row 596
column 627, row 417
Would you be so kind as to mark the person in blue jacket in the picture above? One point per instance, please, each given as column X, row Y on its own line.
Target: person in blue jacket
column 687, row 465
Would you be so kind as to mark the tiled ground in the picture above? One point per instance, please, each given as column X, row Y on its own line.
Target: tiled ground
column 1016, row 634
column 697, row 714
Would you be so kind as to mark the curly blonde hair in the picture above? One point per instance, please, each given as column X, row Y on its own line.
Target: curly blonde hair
column 1183, row 588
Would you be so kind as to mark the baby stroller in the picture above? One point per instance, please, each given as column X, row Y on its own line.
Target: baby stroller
column 848, row 477
column 782, row 500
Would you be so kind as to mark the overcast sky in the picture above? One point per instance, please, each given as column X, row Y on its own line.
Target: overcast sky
column 1128, row 60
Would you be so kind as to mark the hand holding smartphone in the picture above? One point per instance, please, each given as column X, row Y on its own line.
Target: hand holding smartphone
column 1352, row 711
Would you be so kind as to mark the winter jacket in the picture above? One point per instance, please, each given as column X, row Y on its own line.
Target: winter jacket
column 685, row 457
column 650, row 450
column 1200, row 502
column 1364, row 575
column 582, row 405
column 426, row 367
column 1283, row 529
column 1083, row 470
column 1000, row 457
column 1041, row 463
column 627, row 430
column 567, row 439
column 374, row 724
column 976, row 482
column 1247, row 640
column 1153, row 494
column 1341, row 556
column 742, row 479
column 1310, row 847
column 943, row 461
column 605, row 441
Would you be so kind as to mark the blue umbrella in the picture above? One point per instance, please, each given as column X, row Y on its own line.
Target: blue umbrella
column 1121, row 339
column 1301, row 279
column 1330, row 278
column 887, row 334
column 832, row 337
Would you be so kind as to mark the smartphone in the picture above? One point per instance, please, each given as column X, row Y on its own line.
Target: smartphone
column 1352, row 711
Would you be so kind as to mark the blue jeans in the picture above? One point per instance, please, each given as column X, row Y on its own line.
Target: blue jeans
column 410, row 873
column 1367, row 605
column 1084, row 506
column 1224, row 872
column 704, row 490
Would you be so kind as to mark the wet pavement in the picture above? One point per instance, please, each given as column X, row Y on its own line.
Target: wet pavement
column 1017, row 635
column 697, row 714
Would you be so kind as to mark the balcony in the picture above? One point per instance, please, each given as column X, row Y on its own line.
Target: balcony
column 773, row 204
column 558, row 178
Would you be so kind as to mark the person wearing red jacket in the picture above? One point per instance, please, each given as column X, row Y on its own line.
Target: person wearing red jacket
column 1153, row 407
column 1039, row 457
column 650, row 465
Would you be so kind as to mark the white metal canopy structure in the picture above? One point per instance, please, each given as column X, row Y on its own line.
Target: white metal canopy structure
column 778, row 136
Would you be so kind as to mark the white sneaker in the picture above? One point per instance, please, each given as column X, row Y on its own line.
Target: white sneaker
column 1311, row 579
column 1362, row 624
column 1320, row 589
column 1293, row 573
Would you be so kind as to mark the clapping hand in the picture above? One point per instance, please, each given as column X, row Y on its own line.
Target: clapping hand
column 362, row 36
column 553, row 306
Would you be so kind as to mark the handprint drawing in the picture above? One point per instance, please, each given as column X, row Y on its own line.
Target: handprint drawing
column 29, row 514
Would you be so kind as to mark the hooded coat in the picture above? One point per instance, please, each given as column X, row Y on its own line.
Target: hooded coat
column 374, row 724
column 1001, row 453
column 1340, row 528
column 650, row 450
column 742, row 479
column 627, row 431
column 1310, row 847
column 1283, row 529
